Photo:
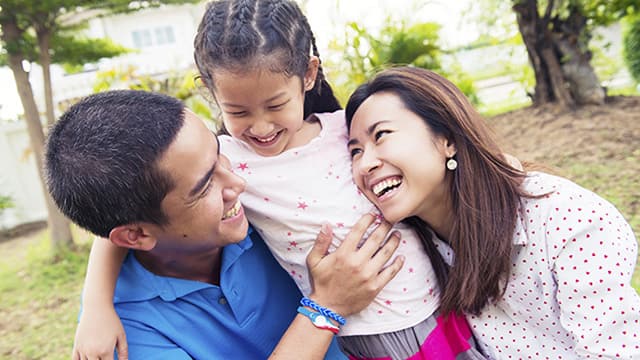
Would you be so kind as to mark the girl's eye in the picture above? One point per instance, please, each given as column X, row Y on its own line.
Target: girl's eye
column 277, row 107
column 378, row 134
column 236, row 113
column 354, row 152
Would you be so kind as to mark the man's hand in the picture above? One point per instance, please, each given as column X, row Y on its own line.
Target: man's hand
column 347, row 280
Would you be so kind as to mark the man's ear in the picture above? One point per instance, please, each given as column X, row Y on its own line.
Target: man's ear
column 312, row 73
column 132, row 236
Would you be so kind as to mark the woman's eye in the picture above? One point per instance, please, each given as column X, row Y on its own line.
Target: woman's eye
column 378, row 134
column 354, row 152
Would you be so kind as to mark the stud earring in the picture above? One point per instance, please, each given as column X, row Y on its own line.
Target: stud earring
column 452, row 164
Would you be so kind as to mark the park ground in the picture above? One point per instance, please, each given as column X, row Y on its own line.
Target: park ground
column 595, row 146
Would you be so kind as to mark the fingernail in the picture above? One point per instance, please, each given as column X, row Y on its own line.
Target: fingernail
column 326, row 229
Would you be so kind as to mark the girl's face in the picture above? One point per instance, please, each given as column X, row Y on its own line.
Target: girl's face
column 398, row 163
column 263, row 108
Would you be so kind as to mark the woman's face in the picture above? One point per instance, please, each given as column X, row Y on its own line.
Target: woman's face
column 398, row 163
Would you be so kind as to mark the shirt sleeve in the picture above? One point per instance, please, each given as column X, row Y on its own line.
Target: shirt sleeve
column 593, row 269
column 147, row 343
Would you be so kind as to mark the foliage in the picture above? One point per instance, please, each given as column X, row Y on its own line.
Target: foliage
column 362, row 53
column 5, row 203
column 632, row 48
column 181, row 85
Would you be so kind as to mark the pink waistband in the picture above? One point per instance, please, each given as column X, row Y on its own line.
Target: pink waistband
column 449, row 338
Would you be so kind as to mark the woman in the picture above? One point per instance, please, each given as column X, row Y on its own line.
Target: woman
column 542, row 266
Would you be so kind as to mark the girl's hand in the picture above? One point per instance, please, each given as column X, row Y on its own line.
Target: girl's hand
column 98, row 334
column 347, row 280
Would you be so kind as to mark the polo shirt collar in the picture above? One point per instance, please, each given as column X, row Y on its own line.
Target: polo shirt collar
column 136, row 283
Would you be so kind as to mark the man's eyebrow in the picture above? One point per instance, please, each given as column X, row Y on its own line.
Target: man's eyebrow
column 205, row 179
column 369, row 131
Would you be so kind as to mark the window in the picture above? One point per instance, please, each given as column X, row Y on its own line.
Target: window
column 141, row 38
column 164, row 35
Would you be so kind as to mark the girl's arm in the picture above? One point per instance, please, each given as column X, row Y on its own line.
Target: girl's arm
column 100, row 331
column 345, row 281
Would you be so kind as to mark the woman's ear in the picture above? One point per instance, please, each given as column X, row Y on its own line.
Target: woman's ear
column 312, row 73
column 448, row 147
column 132, row 236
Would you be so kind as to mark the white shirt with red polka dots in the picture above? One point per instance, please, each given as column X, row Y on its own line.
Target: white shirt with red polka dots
column 290, row 195
column 569, row 294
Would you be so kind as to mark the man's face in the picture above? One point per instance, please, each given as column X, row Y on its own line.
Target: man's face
column 203, row 209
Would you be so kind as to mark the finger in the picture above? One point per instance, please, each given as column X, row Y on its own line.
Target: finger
column 358, row 230
column 389, row 272
column 385, row 252
column 75, row 355
column 375, row 239
column 321, row 245
column 123, row 348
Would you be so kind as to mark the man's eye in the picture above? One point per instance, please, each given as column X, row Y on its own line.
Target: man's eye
column 206, row 189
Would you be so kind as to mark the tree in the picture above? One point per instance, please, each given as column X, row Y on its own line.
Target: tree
column 22, row 21
column 363, row 53
column 632, row 48
column 556, row 34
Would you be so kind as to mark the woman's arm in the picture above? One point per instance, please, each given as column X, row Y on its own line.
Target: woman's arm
column 345, row 281
column 100, row 331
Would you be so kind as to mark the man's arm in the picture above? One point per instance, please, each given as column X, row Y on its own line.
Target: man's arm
column 345, row 281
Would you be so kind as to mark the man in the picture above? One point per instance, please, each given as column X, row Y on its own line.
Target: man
column 141, row 170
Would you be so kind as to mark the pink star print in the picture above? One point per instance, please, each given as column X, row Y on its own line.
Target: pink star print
column 243, row 166
column 293, row 243
column 302, row 205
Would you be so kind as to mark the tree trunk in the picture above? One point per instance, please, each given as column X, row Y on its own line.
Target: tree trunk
column 561, row 62
column 58, row 225
column 44, row 45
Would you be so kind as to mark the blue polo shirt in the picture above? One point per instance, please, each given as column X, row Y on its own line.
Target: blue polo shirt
column 243, row 318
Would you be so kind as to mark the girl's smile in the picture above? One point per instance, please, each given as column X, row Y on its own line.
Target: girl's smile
column 265, row 109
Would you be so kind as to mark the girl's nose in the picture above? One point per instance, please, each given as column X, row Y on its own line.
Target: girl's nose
column 262, row 128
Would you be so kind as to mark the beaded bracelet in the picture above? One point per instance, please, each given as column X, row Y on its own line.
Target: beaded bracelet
column 305, row 301
column 318, row 320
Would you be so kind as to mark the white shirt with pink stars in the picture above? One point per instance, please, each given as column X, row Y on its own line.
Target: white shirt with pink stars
column 569, row 294
column 290, row 196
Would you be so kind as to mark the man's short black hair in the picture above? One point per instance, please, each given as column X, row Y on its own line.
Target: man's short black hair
column 101, row 158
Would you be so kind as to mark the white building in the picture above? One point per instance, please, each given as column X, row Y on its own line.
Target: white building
column 163, row 39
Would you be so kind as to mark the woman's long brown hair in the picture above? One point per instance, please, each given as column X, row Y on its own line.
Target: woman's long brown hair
column 484, row 189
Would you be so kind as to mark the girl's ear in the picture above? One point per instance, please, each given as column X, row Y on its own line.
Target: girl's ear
column 132, row 236
column 312, row 73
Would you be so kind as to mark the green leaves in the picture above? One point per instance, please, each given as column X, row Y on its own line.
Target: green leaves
column 632, row 48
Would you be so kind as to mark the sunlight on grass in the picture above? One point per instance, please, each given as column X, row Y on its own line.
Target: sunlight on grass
column 40, row 299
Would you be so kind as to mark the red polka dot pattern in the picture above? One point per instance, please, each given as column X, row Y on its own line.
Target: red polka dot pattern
column 569, row 294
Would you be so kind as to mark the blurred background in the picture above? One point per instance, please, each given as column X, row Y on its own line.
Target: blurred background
column 557, row 81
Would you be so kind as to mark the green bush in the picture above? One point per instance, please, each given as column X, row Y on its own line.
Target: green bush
column 5, row 203
column 632, row 48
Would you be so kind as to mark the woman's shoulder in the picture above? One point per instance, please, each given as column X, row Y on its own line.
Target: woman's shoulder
column 561, row 195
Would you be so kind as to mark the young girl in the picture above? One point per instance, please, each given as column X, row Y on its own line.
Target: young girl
column 288, row 140
column 542, row 265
